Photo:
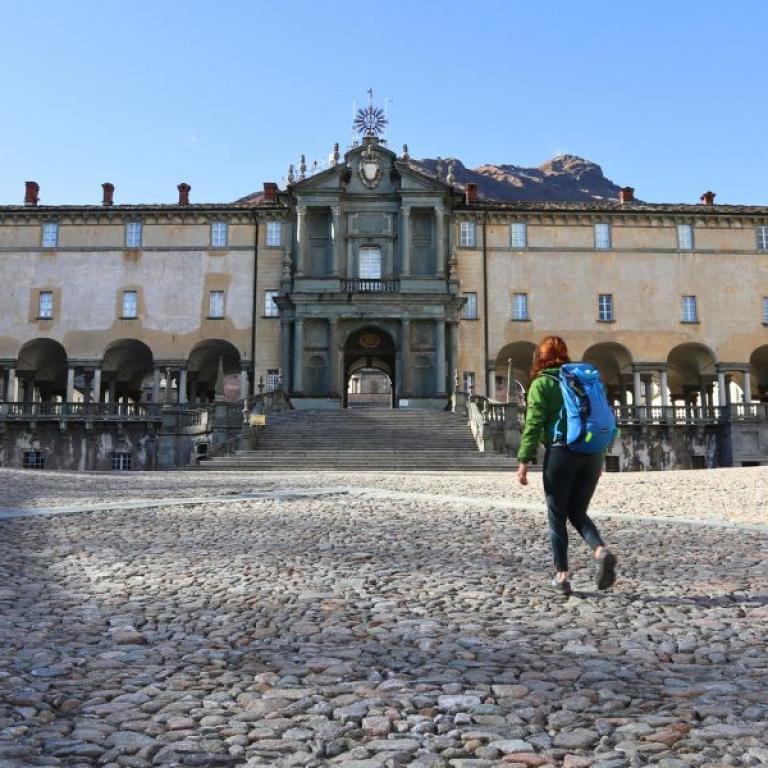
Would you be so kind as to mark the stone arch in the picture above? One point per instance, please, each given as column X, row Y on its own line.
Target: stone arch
column 41, row 370
column 692, row 373
column 521, row 354
column 203, row 366
column 758, row 362
column 126, row 369
column 371, row 348
column 614, row 361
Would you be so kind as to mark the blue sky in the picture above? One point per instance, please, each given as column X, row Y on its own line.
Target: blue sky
column 669, row 97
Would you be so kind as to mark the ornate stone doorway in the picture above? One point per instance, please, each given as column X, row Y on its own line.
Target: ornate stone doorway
column 369, row 369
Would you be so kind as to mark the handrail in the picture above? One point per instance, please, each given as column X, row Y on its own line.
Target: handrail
column 364, row 285
column 47, row 410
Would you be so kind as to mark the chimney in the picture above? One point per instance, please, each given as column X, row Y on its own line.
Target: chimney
column 470, row 192
column 184, row 193
column 109, row 191
column 270, row 192
column 708, row 198
column 626, row 194
column 30, row 193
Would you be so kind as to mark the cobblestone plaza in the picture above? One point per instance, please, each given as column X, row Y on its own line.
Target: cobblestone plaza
column 378, row 620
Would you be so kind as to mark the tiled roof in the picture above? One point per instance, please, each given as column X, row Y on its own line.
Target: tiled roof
column 614, row 206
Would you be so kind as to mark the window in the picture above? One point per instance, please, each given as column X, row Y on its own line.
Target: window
column 370, row 263
column 602, row 236
column 765, row 310
column 685, row 237
column 133, row 234
column 216, row 304
column 690, row 314
column 467, row 234
column 45, row 304
column 121, row 461
column 273, row 379
column 518, row 235
column 130, row 304
column 470, row 308
column 762, row 238
column 219, row 234
column 50, row 234
column 270, row 307
column 33, row 460
column 469, row 382
column 605, row 307
column 520, row 306
column 274, row 233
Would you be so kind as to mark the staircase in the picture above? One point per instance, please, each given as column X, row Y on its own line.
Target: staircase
column 364, row 439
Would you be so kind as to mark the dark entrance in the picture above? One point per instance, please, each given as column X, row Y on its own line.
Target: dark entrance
column 366, row 353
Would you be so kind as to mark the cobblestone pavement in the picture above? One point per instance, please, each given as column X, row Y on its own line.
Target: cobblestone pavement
column 378, row 620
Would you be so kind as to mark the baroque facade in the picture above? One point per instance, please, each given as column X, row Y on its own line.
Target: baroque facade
column 374, row 266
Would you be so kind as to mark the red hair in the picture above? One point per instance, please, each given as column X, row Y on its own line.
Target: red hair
column 551, row 352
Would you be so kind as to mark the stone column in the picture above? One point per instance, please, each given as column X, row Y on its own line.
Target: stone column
column 156, row 385
column 337, row 240
column 298, row 355
column 440, row 354
column 664, row 388
column 747, row 386
column 636, row 385
column 243, row 383
column 440, row 244
column 285, row 354
column 12, row 390
column 182, row 391
column 70, row 384
column 405, row 356
column 301, row 239
column 97, row 385
column 509, row 379
column 334, row 385
column 405, row 213
column 722, row 391
column 453, row 336
column 168, row 385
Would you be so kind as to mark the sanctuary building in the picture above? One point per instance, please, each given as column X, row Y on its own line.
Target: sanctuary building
column 375, row 271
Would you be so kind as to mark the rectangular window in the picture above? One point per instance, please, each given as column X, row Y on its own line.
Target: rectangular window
column 130, row 304
column 602, row 236
column 274, row 233
column 469, row 382
column 133, row 234
column 270, row 307
column 33, row 460
column 50, row 234
column 765, row 310
column 216, row 304
column 518, row 234
column 470, row 308
column 370, row 263
column 45, row 304
column 762, row 238
column 273, row 379
column 685, row 237
column 219, row 234
column 605, row 307
column 520, row 306
column 690, row 313
column 121, row 461
column 467, row 234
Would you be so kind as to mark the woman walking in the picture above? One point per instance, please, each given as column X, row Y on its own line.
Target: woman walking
column 570, row 478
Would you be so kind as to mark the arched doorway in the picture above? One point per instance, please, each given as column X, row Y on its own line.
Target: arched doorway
column 518, row 356
column 42, row 371
column 692, row 374
column 126, row 370
column 369, row 364
column 759, row 368
column 614, row 361
column 207, row 360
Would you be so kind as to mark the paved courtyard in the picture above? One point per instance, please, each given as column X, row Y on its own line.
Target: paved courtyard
column 378, row 620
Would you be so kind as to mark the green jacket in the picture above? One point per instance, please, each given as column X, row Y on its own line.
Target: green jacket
column 543, row 412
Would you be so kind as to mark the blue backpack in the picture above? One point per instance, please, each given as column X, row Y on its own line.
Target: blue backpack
column 591, row 423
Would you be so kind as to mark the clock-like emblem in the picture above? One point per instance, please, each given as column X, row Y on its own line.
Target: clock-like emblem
column 370, row 340
column 369, row 167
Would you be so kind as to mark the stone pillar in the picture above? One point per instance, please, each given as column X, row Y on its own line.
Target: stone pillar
column 302, row 239
column 405, row 357
column 337, row 240
column 192, row 377
column 405, row 213
column 12, row 390
column 298, row 355
column 636, row 383
column 722, row 389
column 647, row 380
column 440, row 244
column 285, row 354
column 334, row 388
column 440, row 354
column 509, row 379
column 112, row 390
column 453, row 336
column 156, row 385
column 664, row 388
column 97, row 385
column 168, row 385
column 747, row 386
column 70, row 384
column 243, row 383
column 182, row 391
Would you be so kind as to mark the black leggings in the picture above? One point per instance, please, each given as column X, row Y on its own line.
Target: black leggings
column 570, row 479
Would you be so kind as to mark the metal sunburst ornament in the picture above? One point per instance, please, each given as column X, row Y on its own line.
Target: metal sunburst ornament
column 370, row 120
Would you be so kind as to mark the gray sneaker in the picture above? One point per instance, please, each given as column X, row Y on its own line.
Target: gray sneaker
column 561, row 587
column 606, row 570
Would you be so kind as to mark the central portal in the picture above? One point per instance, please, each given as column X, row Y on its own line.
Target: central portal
column 369, row 369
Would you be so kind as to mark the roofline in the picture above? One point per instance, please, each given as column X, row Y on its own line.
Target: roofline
column 611, row 206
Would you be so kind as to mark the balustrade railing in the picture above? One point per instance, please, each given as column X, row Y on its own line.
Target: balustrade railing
column 362, row 285
column 47, row 410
